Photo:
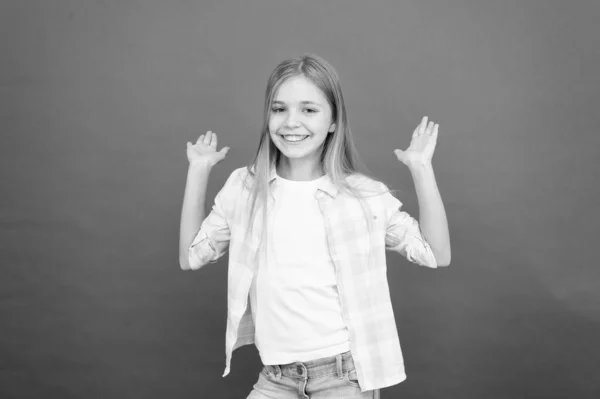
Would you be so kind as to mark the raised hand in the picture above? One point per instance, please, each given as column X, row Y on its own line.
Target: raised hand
column 422, row 145
column 204, row 152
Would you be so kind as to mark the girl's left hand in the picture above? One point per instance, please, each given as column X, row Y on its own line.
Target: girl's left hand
column 421, row 146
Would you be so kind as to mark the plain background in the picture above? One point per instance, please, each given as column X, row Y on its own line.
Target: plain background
column 98, row 99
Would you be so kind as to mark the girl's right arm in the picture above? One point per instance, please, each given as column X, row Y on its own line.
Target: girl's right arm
column 202, row 156
column 193, row 210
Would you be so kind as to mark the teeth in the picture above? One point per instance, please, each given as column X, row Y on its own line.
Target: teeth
column 294, row 137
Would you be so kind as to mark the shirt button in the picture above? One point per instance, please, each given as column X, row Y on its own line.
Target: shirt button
column 299, row 369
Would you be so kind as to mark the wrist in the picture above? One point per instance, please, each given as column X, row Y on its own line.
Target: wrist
column 196, row 170
column 420, row 167
column 199, row 167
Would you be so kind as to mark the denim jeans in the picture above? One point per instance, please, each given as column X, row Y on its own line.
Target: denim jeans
column 328, row 377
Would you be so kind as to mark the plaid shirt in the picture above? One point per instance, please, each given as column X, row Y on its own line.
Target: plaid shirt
column 359, row 259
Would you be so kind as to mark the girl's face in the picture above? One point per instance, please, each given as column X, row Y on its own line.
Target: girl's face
column 300, row 119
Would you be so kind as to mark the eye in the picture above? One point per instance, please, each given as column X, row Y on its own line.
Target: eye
column 311, row 110
column 277, row 110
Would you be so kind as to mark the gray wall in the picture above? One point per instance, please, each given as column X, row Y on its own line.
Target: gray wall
column 97, row 101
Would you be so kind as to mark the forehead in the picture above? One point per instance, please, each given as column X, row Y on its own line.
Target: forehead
column 299, row 88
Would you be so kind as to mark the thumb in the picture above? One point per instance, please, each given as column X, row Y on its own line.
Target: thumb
column 224, row 151
column 399, row 153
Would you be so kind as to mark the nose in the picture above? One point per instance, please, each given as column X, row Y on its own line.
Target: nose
column 291, row 121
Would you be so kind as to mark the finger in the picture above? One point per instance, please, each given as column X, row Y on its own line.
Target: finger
column 423, row 125
column 213, row 143
column 201, row 139
column 416, row 132
column 435, row 130
column 429, row 129
column 399, row 154
column 223, row 153
column 207, row 138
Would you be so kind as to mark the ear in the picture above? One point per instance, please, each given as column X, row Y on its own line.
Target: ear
column 332, row 128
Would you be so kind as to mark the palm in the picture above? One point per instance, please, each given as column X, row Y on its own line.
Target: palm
column 205, row 150
column 422, row 145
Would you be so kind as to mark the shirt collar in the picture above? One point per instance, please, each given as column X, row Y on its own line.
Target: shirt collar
column 325, row 184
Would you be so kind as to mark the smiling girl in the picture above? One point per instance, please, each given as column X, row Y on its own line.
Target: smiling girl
column 307, row 234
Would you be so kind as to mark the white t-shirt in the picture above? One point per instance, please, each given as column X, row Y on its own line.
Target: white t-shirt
column 294, row 297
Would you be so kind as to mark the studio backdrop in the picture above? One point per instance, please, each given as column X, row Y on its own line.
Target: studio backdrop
column 97, row 102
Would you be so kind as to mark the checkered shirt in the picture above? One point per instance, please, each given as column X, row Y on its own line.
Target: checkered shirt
column 359, row 259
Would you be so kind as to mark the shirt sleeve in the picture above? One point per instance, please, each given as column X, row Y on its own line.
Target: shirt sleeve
column 403, row 234
column 212, row 240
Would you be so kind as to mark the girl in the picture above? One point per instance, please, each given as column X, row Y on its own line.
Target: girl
column 307, row 234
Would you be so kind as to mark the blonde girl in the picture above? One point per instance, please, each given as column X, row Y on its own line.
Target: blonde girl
column 307, row 234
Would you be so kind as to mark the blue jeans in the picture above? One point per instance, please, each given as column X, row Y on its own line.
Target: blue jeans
column 328, row 377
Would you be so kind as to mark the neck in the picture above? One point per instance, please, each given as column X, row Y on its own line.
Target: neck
column 299, row 169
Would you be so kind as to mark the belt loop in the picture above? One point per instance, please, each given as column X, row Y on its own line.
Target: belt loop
column 277, row 372
column 274, row 371
column 338, row 363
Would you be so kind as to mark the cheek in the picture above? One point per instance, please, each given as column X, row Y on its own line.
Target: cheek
column 274, row 123
column 321, row 124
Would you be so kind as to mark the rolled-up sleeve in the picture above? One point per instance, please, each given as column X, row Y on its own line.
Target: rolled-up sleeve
column 212, row 240
column 403, row 234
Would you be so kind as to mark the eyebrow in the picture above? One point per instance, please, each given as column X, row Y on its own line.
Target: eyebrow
column 301, row 102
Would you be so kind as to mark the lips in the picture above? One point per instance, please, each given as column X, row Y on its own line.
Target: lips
column 294, row 138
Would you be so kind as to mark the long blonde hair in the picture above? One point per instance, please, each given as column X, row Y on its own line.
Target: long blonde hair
column 339, row 158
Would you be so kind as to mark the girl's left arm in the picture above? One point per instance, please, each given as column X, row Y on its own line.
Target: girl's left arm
column 432, row 216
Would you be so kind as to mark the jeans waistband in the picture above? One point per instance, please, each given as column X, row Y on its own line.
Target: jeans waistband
column 337, row 364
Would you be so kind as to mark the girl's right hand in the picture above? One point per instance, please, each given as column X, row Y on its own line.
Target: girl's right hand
column 204, row 152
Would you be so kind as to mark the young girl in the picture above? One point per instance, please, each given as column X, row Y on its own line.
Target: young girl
column 307, row 234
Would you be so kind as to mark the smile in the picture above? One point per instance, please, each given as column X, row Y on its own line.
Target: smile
column 294, row 138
